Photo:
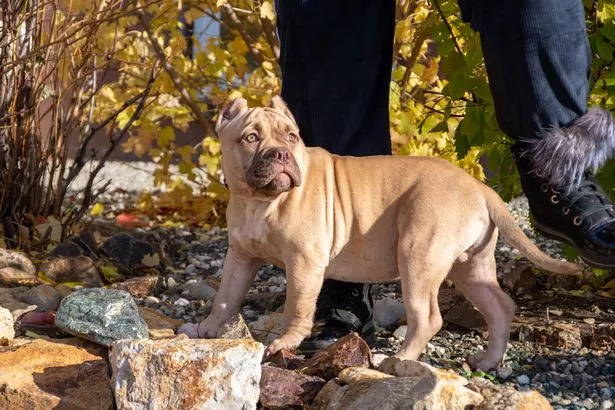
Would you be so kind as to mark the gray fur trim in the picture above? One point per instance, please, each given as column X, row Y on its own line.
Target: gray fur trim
column 562, row 155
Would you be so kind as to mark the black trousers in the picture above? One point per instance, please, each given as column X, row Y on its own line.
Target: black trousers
column 336, row 59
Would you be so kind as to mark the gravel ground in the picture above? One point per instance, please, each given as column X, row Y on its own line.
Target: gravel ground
column 570, row 379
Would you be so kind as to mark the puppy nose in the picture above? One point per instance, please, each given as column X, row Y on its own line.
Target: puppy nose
column 283, row 156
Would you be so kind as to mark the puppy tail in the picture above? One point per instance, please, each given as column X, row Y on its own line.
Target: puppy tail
column 513, row 234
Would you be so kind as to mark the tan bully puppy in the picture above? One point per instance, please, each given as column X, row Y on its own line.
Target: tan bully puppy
column 369, row 219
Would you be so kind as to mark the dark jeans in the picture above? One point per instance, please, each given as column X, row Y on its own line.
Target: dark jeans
column 336, row 59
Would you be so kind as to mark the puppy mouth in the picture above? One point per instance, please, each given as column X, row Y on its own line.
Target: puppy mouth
column 270, row 176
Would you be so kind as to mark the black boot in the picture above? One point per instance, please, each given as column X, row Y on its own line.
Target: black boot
column 342, row 308
column 565, row 199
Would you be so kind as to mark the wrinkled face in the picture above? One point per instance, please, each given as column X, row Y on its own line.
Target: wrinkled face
column 261, row 148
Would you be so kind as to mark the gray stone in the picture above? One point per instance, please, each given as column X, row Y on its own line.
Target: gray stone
column 198, row 289
column 388, row 312
column 523, row 380
column 101, row 315
column 7, row 332
column 45, row 297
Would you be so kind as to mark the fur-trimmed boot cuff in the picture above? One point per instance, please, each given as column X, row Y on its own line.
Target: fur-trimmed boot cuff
column 562, row 155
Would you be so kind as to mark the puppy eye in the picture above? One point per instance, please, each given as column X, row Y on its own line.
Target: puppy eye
column 292, row 137
column 251, row 138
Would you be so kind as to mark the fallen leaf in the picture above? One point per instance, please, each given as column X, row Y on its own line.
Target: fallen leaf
column 151, row 260
column 127, row 220
column 110, row 273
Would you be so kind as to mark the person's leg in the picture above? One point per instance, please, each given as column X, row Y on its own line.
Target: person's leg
column 538, row 62
column 336, row 59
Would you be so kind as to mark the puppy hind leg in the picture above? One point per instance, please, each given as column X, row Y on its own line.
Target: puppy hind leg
column 480, row 286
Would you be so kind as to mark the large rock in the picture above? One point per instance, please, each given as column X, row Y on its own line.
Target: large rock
column 71, row 375
column 464, row 314
column 7, row 332
column 424, row 387
column 79, row 269
column 268, row 327
column 101, row 315
column 389, row 312
column 182, row 373
column 281, row 389
column 44, row 297
column 348, row 351
column 499, row 397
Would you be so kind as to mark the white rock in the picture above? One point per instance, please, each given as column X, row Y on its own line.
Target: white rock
column 181, row 302
column 182, row 373
column 7, row 332
column 388, row 312
column 400, row 332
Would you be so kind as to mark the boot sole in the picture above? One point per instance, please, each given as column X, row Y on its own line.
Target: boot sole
column 558, row 236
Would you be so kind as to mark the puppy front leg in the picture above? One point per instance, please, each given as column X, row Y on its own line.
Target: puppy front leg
column 238, row 274
column 303, row 284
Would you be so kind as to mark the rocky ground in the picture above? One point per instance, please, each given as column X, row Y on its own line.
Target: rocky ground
column 562, row 343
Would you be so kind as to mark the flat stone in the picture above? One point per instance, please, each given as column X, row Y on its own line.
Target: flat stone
column 562, row 335
column 45, row 297
column 7, row 330
column 281, row 389
column 101, row 315
column 138, row 287
column 349, row 350
column 80, row 269
column 71, row 374
column 10, row 276
column 183, row 373
column 354, row 374
column 500, row 397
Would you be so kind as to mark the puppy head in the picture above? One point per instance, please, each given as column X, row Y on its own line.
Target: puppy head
column 262, row 152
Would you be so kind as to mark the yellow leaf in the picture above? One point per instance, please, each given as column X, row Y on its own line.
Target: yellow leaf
column 46, row 279
column 151, row 260
column 97, row 209
column 166, row 135
column 267, row 11
column 267, row 65
column 110, row 273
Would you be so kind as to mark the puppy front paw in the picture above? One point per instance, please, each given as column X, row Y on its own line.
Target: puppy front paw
column 288, row 342
column 196, row 331
column 481, row 361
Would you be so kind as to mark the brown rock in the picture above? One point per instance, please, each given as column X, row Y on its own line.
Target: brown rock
column 521, row 279
column 281, row 389
column 414, row 368
column 604, row 337
column 63, row 290
column 348, row 351
column 285, row 359
column 499, row 397
column 566, row 282
column 560, row 335
column 235, row 328
column 464, row 314
column 269, row 301
column 158, row 321
column 138, row 287
column 16, row 260
column 182, row 373
column 72, row 374
column 447, row 298
column 79, row 269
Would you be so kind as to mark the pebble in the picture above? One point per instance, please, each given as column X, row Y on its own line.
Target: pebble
column 504, row 372
column 181, row 302
column 151, row 300
column 589, row 320
column 523, row 380
column 607, row 404
column 190, row 269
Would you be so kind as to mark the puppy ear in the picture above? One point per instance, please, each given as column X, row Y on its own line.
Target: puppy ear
column 231, row 110
column 278, row 103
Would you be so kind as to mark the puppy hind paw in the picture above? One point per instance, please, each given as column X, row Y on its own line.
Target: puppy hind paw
column 481, row 361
